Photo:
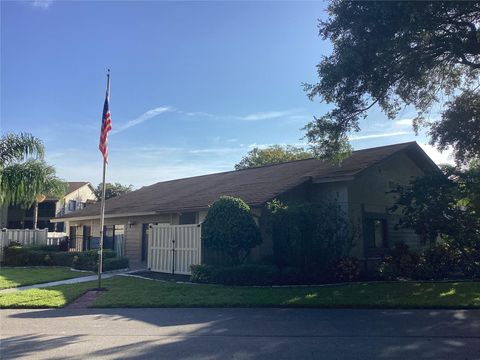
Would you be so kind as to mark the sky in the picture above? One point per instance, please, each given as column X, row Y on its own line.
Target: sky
column 194, row 85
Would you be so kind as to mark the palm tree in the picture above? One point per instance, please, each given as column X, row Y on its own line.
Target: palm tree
column 25, row 181
column 17, row 147
column 14, row 149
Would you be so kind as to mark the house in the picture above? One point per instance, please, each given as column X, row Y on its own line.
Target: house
column 78, row 195
column 360, row 184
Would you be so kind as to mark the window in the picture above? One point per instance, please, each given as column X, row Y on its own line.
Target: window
column 188, row 218
column 376, row 231
column 114, row 238
column 72, row 205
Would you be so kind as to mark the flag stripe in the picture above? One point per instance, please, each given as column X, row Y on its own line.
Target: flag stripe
column 106, row 126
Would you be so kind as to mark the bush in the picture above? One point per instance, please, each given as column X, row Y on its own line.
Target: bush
column 449, row 259
column 309, row 236
column 438, row 262
column 290, row 276
column 400, row 263
column 44, row 247
column 61, row 258
column 49, row 255
column 246, row 274
column 15, row 256
column 113, row 264
column 229, row 227
column 346, row 269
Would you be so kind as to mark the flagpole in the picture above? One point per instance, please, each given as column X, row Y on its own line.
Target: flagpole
column 102, row 211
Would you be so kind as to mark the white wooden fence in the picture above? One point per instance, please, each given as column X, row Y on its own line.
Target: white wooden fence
column 23, row 236
column 173, row 248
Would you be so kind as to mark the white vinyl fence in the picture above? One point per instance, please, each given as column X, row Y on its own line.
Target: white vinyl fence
column 23, row 236
column 173, row 248
column 54, row 238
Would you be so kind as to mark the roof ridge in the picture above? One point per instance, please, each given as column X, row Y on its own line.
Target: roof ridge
column 271, row 165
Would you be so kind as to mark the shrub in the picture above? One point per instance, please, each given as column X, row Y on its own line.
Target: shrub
column 346, row 269
column 309, row 236
column 113, row 264
column 246, row 274
column 400, row 263
column 15, row 256
column 86, row 260
column 229, row 227
column 61, row 258
column 44, row 247
column 36, row 257
column 438, row 262
column 45, row 255
column 289, row 276
column 64, row 245
column 15, row 244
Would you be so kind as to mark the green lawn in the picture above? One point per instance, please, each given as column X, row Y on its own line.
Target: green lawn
column 14, row 277
column 131, row 292
column 52, row 297
column 134, row 292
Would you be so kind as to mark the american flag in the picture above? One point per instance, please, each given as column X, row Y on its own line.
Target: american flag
column 106, row 125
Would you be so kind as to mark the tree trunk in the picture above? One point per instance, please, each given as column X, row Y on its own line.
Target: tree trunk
column 35, row 215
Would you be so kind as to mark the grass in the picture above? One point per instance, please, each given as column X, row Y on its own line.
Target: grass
column 53, row 297
column 134, row 292
column 131, row 292
column 15, row 277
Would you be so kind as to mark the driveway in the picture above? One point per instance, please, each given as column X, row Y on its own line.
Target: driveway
column 240, row 334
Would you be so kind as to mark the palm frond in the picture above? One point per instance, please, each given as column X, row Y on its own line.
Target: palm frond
column 21, row 183
column 18, row 147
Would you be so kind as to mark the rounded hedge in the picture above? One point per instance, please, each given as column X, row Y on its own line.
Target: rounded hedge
column 229, row 227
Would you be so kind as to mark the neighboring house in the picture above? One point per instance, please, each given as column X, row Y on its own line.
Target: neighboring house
column 78, row 195
column 361, row 185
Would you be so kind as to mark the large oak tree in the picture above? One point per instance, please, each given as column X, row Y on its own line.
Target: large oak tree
column 395, row 54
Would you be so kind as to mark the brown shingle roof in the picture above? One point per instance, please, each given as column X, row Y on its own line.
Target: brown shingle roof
column 75, row 185
column 255, row 186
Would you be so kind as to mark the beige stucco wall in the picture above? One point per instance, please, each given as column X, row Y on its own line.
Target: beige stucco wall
column 81, row 195
column 369, row 193
column 133, row 231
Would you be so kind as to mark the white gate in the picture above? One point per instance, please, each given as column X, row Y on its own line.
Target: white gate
column 23, row 236
column 173, row 248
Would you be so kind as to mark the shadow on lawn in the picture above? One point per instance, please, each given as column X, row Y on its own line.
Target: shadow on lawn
column 254, row 333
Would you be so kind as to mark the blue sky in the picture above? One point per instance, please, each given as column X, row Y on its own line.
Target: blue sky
column 195, row 85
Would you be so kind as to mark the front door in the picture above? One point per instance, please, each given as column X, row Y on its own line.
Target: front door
column 87, row 231
column 145, row 242
column 73, row 238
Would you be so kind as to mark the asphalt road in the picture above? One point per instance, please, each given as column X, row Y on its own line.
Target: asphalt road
column 239, row 334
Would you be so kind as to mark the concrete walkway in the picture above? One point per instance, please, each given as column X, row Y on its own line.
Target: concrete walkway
column 68, row 281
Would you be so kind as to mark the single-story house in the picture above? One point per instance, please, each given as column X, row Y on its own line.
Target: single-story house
column 78, row 195
column 360, row 184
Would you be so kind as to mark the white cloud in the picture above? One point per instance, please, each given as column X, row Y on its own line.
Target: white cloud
column 142, row 118
column 267, row 115
column 42, row 4
column 445, row 157
column 217, row 151
column 404, row 122
column 374, row 136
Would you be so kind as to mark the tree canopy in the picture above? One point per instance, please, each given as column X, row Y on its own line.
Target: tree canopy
column 445, row 203
column 395, row 54
column 17, row 147
column 112, row 190
column 23, row 173
column 273, row 154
